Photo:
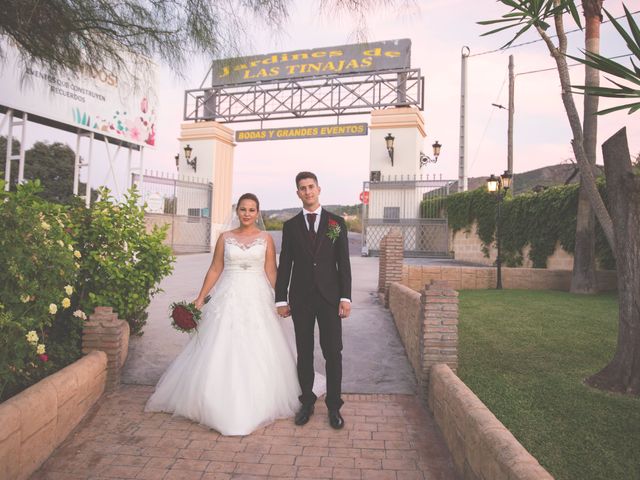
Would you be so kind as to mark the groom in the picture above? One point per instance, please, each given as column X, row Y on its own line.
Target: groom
column 315, row 257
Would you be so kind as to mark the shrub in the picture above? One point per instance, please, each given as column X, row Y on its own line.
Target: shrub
column 122, row 263
column 36, row 286
column 273, row 224
column 354, row 225
column 61, row 261
column 541, row 220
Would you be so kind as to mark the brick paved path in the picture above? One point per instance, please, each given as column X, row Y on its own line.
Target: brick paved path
column 385, row 437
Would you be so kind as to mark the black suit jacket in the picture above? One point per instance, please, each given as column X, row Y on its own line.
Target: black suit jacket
column 305, row 266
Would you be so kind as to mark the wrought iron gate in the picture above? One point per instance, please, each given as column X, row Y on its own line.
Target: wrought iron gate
column 184, row 205
column 414, row 206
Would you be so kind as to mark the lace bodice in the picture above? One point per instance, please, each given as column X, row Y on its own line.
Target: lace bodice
column 244, row 254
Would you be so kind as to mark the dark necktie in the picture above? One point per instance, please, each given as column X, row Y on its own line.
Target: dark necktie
column 311, row 217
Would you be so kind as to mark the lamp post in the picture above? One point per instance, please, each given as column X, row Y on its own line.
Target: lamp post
column 499, row 185
column 389, row 139
column 193, row 163
column 424, row 159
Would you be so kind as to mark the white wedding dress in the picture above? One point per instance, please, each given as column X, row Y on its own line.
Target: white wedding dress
column 238, row 371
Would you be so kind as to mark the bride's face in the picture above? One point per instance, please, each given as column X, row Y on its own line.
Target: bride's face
column 247, row 212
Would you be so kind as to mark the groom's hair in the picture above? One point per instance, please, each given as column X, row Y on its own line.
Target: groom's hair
column 303, row 175
column 248, row 196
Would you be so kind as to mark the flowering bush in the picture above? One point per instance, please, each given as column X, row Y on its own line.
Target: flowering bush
column 20, row 363
column 59, row 263
column 121, row 263
column 36, row 251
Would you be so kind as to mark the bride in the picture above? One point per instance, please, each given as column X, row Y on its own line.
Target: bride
column 238, row 372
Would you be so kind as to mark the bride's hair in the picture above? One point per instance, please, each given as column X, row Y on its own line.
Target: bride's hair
column 248, row 196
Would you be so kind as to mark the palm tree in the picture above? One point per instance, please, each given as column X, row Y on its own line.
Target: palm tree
column 621, row 228
column 583, row 279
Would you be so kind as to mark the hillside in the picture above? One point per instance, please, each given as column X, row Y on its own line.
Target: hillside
column 527, row 181
column 286, row 213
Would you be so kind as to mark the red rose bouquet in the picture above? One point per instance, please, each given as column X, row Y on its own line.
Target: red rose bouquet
column 185, row 316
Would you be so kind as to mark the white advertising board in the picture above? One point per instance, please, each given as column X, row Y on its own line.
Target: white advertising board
column 97, row 101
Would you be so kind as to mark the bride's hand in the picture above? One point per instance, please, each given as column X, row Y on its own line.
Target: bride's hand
column 198, row 302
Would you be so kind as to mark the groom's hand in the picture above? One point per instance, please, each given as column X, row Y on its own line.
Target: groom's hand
column 284, row 311
column 345, row 309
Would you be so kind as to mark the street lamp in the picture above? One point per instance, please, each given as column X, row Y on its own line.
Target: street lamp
column 499, row 185
column 187, row 157
column 389, row 141
column 424, row 159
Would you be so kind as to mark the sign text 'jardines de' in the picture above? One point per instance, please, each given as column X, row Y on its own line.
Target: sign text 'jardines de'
column 365, row 57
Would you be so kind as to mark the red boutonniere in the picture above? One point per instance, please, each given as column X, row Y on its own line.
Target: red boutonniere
column 333, row 230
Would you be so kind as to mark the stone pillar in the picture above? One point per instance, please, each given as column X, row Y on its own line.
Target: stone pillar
column 440, row 327
column 406, row 124
column 390, row 266
column 104, row 331
column 213, row 145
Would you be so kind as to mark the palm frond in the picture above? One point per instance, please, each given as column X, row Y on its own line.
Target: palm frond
column 615, row 69
column 528, row 14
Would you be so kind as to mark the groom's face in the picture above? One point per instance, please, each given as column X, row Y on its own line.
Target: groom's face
column 308, row 191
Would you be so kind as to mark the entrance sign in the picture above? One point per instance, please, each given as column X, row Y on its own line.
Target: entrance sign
column 356, row 58
column 94, row 101
column 317, row 131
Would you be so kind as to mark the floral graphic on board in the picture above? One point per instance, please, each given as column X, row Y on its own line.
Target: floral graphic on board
column 139, row 127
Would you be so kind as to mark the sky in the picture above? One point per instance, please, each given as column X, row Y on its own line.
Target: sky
column 438, row 30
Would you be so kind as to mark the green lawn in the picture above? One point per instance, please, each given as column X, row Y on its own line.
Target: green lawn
column 526, row 353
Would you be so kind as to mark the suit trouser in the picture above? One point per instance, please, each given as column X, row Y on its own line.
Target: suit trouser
column 330, row 326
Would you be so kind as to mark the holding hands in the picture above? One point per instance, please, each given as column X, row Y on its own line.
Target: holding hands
column 344, row 310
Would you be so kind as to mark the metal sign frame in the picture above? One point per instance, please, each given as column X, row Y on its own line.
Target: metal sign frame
column 328, row 95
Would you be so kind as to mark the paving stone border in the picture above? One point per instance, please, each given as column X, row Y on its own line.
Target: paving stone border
column 480, row 278
column 481, row 446
column 427, row 323
column 426, row 317
column 38, row 419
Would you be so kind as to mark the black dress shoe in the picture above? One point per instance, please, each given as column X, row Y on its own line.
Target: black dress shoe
column 335, row 419
column 304, row 414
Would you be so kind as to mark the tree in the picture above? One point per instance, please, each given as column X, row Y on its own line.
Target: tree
column 52, row 164
column 583, row 279
column 622, row 374
column 123, row 36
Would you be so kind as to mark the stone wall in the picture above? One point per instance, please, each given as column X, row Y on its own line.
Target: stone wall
column 104, row 331
column 37, row 420
column 390, row 263
column 476, row 278
column 34, row 422
column 467, row 247
column 427, row 323
column 481, row 447
column 405, row 305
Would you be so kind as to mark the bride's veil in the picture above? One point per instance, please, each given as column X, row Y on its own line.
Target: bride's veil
column 232, row 221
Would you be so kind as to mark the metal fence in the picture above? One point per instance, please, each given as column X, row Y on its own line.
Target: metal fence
column 183, row 204
column 415, row 206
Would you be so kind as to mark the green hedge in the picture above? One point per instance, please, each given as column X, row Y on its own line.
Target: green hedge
column 541, row 220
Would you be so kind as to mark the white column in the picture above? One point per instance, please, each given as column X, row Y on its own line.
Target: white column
column 213, row 146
